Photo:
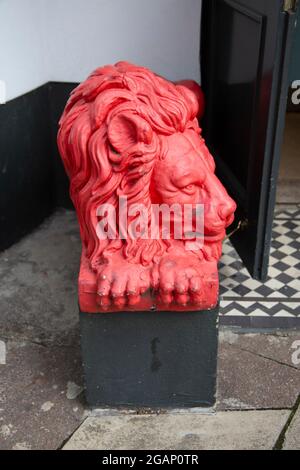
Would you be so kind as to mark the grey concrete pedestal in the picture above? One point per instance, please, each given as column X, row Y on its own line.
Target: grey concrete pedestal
column 150, row 359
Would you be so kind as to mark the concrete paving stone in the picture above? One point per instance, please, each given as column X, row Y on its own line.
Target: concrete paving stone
column 38, row 283
column 278, row 346
column 249, row 381
column 191, row 431
column 41, row 399
column 292, row 437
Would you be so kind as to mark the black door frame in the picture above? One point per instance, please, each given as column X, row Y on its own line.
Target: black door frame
column 256, row 201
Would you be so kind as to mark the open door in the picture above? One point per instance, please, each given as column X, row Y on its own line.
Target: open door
column 245, row 52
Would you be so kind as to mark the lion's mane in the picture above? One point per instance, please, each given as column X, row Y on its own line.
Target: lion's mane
column 100, row 167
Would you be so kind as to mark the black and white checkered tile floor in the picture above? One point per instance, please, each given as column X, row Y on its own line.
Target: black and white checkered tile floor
column 276, row 303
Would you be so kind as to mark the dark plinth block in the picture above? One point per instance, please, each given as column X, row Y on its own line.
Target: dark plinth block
column 150, row 359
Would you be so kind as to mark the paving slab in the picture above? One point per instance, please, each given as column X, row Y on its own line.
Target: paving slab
column 249, row 381
column 38, row 283
column 278, row 346
column 292, row 437
column 191, row 431
column 41, row 399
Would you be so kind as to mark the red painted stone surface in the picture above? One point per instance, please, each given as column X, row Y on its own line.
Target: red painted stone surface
column 126, row 132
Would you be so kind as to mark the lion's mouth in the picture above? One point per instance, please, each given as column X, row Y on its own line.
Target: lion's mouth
column 211, row 237
column 207, row 236
column 212, row 232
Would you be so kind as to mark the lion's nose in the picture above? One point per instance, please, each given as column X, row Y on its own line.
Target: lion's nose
column 225, row 210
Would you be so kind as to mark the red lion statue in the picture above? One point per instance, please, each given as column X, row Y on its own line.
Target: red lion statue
column 127, row 133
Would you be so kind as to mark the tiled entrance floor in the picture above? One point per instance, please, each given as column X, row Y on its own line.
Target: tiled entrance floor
column 247, row 302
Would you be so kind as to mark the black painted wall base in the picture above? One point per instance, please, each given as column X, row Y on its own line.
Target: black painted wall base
column 26, row 170
column 150, row 359
column 32, row 178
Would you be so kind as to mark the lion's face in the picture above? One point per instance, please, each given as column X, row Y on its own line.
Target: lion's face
column 186, row 176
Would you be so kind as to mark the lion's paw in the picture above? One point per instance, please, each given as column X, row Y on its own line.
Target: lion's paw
column 122, row 284
column 178, row 278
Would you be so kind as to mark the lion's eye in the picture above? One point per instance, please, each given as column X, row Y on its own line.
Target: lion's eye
column 113, row 150
column 190, row 188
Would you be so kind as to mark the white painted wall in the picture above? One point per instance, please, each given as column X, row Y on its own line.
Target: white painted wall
column 21, row 46
column 64, row 40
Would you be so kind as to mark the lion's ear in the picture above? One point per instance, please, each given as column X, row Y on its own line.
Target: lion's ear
column 194, row 93
column 128, row 129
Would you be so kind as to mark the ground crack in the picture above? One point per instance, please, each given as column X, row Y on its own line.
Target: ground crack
column 71, row 435
column 266, row 357
column 281, row 439
column 44, row 344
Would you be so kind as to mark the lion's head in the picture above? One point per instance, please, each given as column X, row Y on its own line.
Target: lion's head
column 128, row 132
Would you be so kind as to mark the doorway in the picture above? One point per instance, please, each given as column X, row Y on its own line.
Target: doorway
column 288, row 190
column 246, row 47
